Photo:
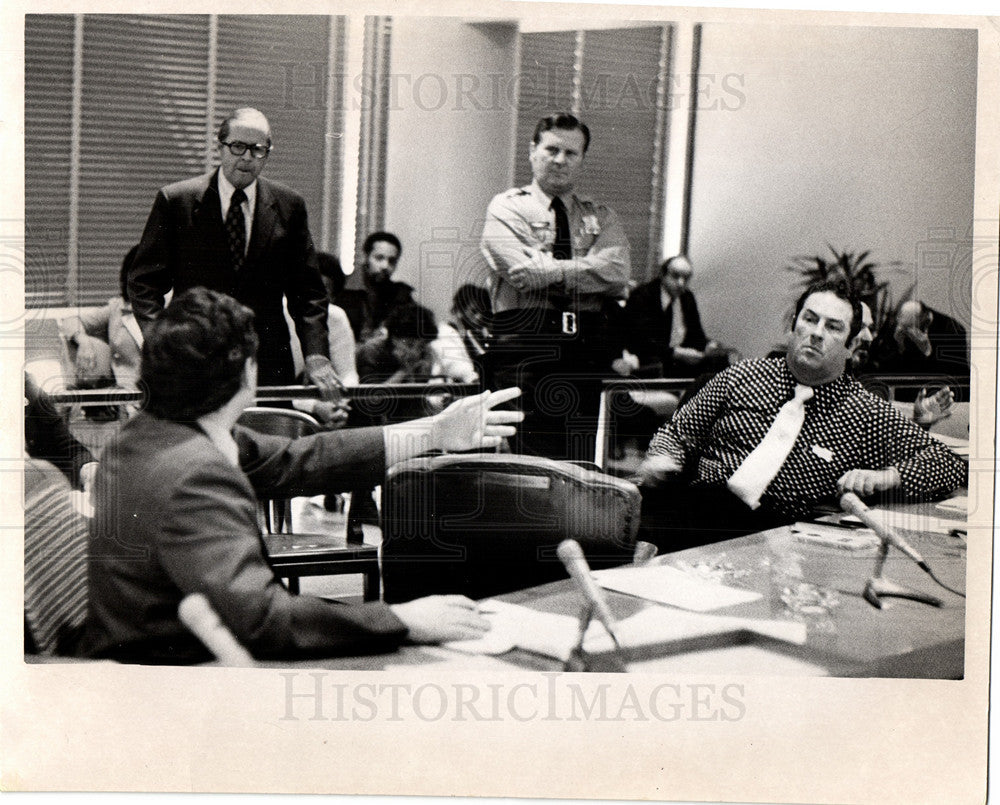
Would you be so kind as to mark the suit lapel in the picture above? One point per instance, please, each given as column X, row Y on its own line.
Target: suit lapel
column 263, row 222
column 207, row 216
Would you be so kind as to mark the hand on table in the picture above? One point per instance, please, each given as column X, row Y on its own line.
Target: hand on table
column 867, row 482
column 441, row 618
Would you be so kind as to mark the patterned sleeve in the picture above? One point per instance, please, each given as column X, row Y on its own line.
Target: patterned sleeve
column 683, row 436
column 927, row 469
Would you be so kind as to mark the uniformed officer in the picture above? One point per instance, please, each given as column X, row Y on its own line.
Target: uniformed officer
column 560, row 265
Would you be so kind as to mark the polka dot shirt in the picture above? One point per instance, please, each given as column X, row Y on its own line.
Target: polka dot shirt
column 845, row 428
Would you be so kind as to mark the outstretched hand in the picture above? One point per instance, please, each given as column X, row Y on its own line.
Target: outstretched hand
column 471, row 423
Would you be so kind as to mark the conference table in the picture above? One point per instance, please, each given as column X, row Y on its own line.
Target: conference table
column 845, row 636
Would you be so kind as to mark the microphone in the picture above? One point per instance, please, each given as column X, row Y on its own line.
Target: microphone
column 571, row 554
column 852, row 504
column 197, row 614
column 644, row 553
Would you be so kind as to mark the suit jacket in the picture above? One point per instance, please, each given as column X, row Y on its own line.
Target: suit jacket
column 949, row 350
column 47, row 435
column 184, row 245
column 174, row 516
column 648, row 335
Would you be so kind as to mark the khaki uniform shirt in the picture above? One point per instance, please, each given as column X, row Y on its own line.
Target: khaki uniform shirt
column 521, row 219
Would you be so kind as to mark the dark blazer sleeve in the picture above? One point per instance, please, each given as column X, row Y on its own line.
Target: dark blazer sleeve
column 48, row 437
column 695, row 337
column 208, row 542
column 304, row 289
column 644, row 325
column 312, row 465
column 150, row 275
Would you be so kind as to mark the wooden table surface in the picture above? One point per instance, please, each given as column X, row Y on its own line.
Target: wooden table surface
column 904, row 639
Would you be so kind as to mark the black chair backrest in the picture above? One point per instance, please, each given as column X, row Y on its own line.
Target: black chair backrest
column 486, row 524
column 279, row 422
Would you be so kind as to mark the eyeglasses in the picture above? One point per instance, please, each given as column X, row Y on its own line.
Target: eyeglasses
column 238, row 149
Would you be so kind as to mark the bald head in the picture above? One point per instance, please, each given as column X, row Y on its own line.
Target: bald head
column 675, row 275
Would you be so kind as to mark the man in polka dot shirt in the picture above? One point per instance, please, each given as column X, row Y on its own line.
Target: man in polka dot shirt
column 850, row 441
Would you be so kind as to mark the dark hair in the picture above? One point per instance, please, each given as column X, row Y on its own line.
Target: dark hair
column 329, row 267
column 411, row 321
column 126, row 268
column 472, row 296
column 562, row 120
column 194, row 354
column 840, row 289
column 237, row 114
column 376, row 237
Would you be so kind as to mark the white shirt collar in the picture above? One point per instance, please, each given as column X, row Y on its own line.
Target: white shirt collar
column 545, row 199
column 226, row 191
column 221, row 438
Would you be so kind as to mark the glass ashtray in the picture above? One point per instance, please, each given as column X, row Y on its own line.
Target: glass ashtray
column 809, row 599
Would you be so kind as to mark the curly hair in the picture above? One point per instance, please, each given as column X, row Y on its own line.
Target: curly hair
column 194, row 354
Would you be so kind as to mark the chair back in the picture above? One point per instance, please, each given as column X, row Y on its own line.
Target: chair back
column 276, row 513
column 485, row 524
column 279, row 422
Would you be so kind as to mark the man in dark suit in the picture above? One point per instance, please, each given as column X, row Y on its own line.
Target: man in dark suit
column 176, row 512
column 664, row 326
column 234, row 232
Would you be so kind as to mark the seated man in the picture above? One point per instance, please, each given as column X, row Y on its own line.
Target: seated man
column 920, row 340
column 825, row 435
column 663, row 327
column 929, row 407
column 176, row 511
column 403, row 352
column 471, row 317
column 369, row 307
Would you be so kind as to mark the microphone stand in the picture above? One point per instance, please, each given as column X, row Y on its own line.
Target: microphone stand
column 879, row 586
column 580, row 660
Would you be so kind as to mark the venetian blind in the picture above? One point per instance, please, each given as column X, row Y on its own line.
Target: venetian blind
column 279, row 64
column 617, row 98
column 48, row 90
column 145, row 87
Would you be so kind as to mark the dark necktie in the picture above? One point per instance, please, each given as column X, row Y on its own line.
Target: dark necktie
column 236, row 229
column 562, row 249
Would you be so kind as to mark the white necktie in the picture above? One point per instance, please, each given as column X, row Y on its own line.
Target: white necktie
column 677, row 329
column 766, row 459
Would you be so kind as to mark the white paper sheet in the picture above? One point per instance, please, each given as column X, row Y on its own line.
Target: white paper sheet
column 555, row 635
column 667, row 585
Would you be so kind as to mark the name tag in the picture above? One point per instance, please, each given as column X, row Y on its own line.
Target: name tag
column 823, row 453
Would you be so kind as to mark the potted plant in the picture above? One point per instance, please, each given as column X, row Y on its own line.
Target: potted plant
column 859, row 271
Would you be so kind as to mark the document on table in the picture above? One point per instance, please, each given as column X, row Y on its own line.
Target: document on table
column 553, row 635
column 668, row 585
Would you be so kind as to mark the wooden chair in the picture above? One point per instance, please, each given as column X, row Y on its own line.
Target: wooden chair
column 486, row 524
column 291, row 554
